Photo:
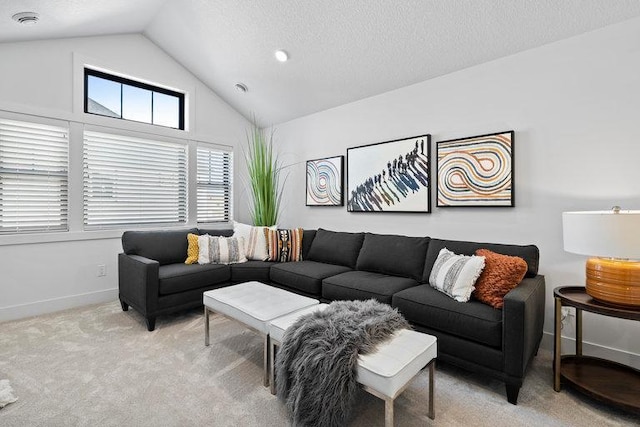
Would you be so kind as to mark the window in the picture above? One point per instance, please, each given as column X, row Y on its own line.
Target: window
column 117, row 97
column 133, row 181
column 214, row 185
column 34, row 163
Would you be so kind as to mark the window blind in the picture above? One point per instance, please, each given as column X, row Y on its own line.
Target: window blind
column 133, row 181
column 34, row 163
column 214, row 179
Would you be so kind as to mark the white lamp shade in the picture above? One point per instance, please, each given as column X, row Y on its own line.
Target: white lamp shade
column 602, row 233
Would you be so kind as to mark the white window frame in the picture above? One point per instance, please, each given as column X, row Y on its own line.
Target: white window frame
column 201, row 184
column 132, row 138
column 60, row 160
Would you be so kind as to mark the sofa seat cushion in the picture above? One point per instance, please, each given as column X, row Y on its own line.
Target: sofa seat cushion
column 305, row 276
column 251, row 271
column 473, row 320
column 363, row 285
column 175, row 278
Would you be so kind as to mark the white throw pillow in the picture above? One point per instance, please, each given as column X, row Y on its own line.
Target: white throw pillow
column 255, row 240
column 203, row 249
column 456, row 275
column 220, row 250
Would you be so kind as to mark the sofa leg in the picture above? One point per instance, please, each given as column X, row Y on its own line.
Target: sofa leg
column 151, row 323
column 125, row 306
column 512, row 393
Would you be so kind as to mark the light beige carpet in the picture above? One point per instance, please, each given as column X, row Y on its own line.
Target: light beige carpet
column 98, row 366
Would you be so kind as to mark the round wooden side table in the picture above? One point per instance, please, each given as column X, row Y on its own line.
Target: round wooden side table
column 607, row 381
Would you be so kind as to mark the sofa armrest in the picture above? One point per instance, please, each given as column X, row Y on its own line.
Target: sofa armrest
column 522, row 323
column 138, row 282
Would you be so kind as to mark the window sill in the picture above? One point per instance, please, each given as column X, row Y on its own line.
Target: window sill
column 73, row 236
column 37, row 238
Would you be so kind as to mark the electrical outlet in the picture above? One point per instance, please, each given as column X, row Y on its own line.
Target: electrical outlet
column 567, row 314
column 102, row 270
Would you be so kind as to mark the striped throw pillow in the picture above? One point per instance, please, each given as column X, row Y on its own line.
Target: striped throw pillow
column 456, row 275
column 254, row 239
column 220, row 250
column 284, row 245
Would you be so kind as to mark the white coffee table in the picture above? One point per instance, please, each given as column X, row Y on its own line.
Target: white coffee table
column 253, row 304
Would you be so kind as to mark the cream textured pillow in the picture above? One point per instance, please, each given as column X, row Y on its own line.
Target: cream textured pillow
column 203, row 249
column 220, row 250
column 455, row 275
column 255, row 240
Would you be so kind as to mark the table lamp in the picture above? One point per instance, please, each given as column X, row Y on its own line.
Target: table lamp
column 612, row 238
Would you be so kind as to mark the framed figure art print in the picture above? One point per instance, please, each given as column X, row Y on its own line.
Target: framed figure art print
column 391, row 176
column 325, row 182
column 476, row 171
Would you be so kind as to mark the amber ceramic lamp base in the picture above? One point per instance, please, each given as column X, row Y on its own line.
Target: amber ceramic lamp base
column 614, row 281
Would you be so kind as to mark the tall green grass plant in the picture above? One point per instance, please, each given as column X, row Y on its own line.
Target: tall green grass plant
column 264, row 169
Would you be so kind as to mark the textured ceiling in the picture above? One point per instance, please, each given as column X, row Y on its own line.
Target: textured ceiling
column 76, row 18
column 341, row 51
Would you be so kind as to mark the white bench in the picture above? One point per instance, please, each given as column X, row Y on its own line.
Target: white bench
column 254, row 304
column 386, row 372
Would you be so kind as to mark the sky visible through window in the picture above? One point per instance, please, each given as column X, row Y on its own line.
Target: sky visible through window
column 114, row 99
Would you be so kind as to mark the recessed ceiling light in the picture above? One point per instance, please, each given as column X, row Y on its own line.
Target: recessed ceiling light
column 26, row 18
column 241, row 87
column 282, row 56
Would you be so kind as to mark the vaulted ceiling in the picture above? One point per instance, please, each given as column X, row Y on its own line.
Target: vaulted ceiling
column 340, row 51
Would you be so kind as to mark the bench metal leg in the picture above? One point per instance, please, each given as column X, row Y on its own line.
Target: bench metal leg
column 388, row 412
column 272, row 368
column 432, row 372
column 206, row 326
column 267, row 352
column 389, row 401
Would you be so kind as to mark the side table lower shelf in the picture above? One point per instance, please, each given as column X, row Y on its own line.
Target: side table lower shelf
column 603, row 380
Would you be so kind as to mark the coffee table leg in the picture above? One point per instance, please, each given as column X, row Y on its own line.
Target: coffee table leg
column 388, row 412
column 266, row 361
column 206, row 326
column 432, row 379
column 272, row 368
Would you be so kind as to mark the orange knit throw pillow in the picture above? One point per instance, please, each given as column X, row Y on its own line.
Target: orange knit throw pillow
column 501, row 274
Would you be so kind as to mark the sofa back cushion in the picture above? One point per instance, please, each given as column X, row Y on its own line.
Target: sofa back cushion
column 332, row 247
column 307, row 238
column 529, row 253
column 166, row 246
column 224, row 232
column 394, row 255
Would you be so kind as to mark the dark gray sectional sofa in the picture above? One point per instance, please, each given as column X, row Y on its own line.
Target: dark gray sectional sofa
column 393, row 269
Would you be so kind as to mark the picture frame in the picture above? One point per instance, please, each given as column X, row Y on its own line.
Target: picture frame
column 325, row 182
column 390, row 176
column 476, row 171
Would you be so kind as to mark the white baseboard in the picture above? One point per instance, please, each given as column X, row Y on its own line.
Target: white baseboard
column 56, row 304
column 591, row 349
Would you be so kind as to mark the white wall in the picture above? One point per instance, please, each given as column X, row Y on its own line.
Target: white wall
column 574, row 106
column 44, row 78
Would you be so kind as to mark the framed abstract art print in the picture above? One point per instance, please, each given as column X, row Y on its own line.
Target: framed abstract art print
column 325, row 182
column 476, row 171
column 391, row 176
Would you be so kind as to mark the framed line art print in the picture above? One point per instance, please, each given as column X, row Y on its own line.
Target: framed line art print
column 325, row 182
column 391, row 176
column 477, row 171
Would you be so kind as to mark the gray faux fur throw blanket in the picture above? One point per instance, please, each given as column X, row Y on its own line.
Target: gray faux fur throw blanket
column 316, row 364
